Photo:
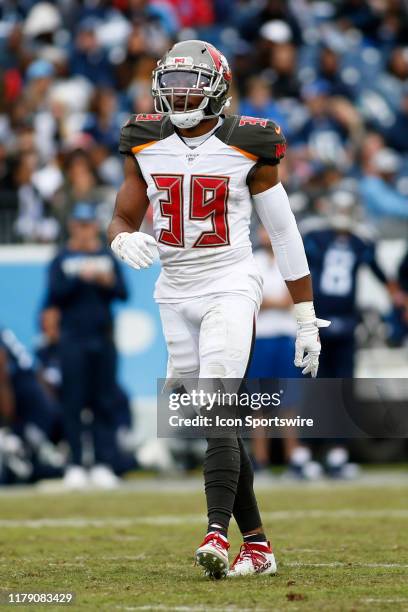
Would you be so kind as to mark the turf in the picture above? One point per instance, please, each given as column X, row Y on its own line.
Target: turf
column 338, row 548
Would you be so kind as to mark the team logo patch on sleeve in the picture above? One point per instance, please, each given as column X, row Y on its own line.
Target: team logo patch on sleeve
column 252, row 121
column 280, row 149
column 148, row 117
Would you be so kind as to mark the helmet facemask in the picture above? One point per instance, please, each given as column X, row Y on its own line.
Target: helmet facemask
column 176, row 87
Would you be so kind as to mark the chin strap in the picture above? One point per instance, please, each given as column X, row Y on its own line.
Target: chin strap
column 187, row 120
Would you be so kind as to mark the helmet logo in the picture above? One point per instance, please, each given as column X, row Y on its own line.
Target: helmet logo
column 179, row 61
column 220, row 62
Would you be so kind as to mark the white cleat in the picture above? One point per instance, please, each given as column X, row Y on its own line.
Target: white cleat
column 102, row 477
column 253, row 559
column 75, row 478
column 212, row 555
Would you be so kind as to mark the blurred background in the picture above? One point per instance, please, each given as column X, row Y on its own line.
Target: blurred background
column 333, row 74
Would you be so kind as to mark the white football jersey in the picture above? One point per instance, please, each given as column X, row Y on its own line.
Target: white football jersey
column 201, row 202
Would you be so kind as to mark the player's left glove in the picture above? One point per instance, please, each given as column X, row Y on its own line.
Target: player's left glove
column 308, row 347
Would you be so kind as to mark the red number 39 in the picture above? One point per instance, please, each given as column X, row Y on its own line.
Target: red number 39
column 208, row 200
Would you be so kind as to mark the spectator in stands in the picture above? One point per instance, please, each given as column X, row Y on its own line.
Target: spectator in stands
column 84, row 280
column 33, row 221
column 394, row 80
column 273, row 13
column 88, row 58
column 379, row 195
column 372, row 143
column 282, row 70
column 323, row 135
column 259, row 102
column 81, row 184
column 103, row 122
column 39, row 77
column 136, row 49
column 358, row 14
column 194, row 13
column 397, row 134
column 329, row 70
column 142, row 99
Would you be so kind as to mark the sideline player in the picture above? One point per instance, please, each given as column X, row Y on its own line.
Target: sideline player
column 203, row 172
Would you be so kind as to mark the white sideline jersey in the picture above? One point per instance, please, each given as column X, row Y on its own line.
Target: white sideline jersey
column 201, row 202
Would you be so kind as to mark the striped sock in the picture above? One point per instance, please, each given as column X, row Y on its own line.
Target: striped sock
column 215, row 528
column 256, row 538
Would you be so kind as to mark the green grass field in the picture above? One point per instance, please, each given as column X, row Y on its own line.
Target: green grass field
column 343, row 547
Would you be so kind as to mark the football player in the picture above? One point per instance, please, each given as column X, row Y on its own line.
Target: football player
column 203, row 172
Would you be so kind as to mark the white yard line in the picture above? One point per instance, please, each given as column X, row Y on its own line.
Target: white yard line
column 162, row 608
column 385, row 600
column 82, row 560
column 348, row 564
column 169, row 519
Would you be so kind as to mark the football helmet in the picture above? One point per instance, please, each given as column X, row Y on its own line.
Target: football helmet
column 191, row 70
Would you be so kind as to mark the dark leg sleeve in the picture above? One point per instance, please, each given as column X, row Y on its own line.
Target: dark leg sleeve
column 245, row 510
column 221, row 475
column 226, row 471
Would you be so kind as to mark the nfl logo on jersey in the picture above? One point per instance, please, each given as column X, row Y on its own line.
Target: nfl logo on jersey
column 191, row 157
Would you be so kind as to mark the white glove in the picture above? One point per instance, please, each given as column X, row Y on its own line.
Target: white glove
column 135, row 249
column 307, row 338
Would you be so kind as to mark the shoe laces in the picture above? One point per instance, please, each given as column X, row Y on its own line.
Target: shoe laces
column 253, row 552
column 216, row 540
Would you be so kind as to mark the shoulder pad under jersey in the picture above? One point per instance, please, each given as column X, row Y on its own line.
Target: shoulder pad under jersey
column 258, row 139
column 142, row 130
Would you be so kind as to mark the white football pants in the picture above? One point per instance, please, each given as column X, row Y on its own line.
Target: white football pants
column 210, row 336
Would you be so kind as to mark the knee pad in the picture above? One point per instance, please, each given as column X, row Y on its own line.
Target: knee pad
column 215, row 370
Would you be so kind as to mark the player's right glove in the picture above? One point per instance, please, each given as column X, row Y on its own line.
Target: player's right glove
column 135, row 249
column 307, row 349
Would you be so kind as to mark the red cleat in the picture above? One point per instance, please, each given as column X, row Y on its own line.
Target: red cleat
column 253, row 559
column 212, row 555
